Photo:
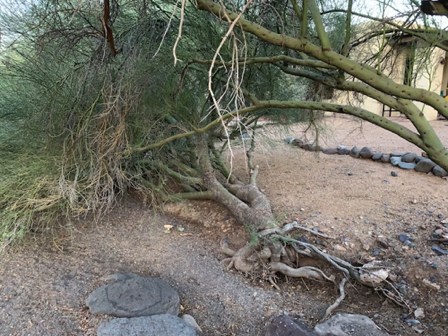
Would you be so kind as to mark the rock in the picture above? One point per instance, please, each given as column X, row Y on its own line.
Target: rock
column 354, row 152
column 424, row 166
column 338, row 247
column 156, row 325
column 366, row 153
column 385, row 158
column 396, row 154
column 330, row 151
column 377, row 156
column 288, row 140
column 394, row 174
column 419, row 158
column 297, row 142
column 134, row 296
column 394, row 160
column 409, row 157
column 372, row 274
column 439, row 171
column 307, row 146
column 412, row 321
column 348, row 324
column 343, row 151
column 403, row 238
column 430, row 284
column 405, row 165
column 438, row 250
column 284, row 325
column 419, row 313
column 316, row 148
column 188, row 319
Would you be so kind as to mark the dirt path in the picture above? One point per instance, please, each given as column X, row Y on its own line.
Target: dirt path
column 44, row 282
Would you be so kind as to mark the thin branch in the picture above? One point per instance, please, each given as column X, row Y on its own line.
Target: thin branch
column 348, row 22
column 323, row 37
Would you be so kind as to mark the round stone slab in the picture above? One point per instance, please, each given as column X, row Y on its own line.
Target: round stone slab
column 156, row 325
column 134, row 296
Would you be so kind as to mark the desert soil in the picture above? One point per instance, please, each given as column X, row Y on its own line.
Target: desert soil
column 45, row 280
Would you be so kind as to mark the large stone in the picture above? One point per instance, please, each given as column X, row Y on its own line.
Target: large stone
column 406, row 165
column 377, row 156
column 395, row 160
column 330, row 151
column 385, row 158
column 419, row 158
column 156, row 325
column 348, row 324
column 439, row 171
column 425, row 166
column 366, row 153
column 409, row 157
column 284, row 325
column 133, row 296
column 354, row 152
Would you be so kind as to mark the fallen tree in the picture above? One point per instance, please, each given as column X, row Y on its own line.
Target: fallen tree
column 121, row 116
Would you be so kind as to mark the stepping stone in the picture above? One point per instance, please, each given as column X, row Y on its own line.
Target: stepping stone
column 406, row 165
column 395, row 160
column 156, row 325
column 409, row 157
column 349, row 324
column 284, row 325
column 377, row 156
column 425, row 166
column 133, row 296
column 366, row 153
column 439, row 171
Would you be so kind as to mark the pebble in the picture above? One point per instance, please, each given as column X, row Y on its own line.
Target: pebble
column 431, row 285
column 376, row 316
column 439, row 250
column 403, row 238
column 419, row 312
column 412, row 321
column 394, row 173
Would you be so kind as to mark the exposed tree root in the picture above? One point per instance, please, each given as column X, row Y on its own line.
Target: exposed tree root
column 337, row 302
column 280, row 253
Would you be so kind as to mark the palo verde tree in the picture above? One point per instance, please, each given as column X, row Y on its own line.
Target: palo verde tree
column 95, row 106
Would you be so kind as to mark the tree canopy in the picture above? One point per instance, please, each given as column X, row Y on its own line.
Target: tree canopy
column 101, row 96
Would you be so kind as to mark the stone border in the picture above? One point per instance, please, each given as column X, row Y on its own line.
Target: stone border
column 407, row 160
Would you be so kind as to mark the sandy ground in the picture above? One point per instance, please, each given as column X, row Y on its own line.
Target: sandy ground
column 45, row 281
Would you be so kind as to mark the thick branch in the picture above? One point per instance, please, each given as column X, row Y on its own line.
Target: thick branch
column 353, row 68
column 310, row 105
column 273, row 59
